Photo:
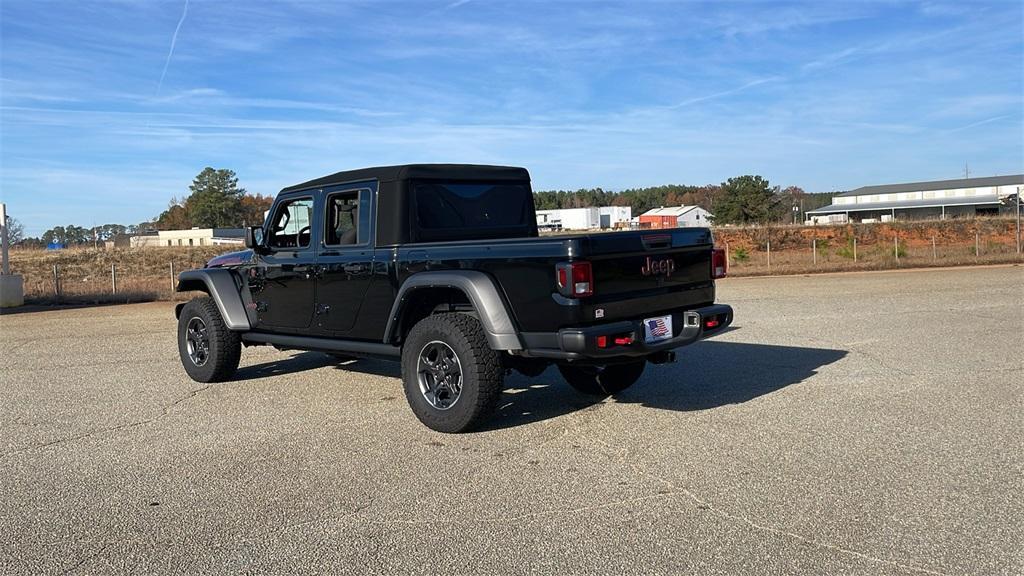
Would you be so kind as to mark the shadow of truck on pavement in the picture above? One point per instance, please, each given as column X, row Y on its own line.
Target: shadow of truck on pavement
column 706, row 375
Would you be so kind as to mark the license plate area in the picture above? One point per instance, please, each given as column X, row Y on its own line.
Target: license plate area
column 657, row 329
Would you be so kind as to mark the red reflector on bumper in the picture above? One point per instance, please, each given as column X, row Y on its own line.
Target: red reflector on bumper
column 602, row 341
column 711, row 323
column 626, row 341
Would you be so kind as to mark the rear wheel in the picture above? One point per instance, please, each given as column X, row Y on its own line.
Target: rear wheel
column 209, row 351
column 452, row 378
column 602, row 380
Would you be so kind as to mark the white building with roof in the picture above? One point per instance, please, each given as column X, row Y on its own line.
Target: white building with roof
column 191, row 237
column 590, row 218
column 615, row 216
column 569, row 219
column 675, row 217
column 920, row 200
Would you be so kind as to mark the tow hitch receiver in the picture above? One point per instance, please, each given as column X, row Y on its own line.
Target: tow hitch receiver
column 663, row 357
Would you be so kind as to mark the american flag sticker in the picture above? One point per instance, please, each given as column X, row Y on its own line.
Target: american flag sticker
column 658, row 328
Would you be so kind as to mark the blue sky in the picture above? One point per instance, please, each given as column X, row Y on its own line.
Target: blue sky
column 102, row 121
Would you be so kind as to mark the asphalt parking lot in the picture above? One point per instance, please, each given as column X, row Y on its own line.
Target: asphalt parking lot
column 858, row 424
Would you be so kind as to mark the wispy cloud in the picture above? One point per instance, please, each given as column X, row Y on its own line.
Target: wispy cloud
column 907, row 42
column 724, row 93
column 977, row 104
column 189, row 94
column 982, row 123
column 170, row 52
column 833, row 59
column 774, row 19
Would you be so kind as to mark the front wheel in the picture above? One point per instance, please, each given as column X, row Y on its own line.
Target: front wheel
column 452, row 378
column 602, row 380
column 209, row 350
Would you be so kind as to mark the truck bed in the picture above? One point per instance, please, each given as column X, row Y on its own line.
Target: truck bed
column 677, row 263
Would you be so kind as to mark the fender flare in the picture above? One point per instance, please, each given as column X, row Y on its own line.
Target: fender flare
column 482, row 293
column 220, row 285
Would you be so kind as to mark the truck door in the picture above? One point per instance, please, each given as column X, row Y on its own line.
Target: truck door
column 284, row 285
column 345, row 261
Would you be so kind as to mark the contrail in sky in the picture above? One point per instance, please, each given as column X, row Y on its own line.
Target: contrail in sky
column 724, row 92
column 170, row 52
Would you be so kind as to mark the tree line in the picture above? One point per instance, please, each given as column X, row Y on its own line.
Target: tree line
column 740, row 200
column 216, row 201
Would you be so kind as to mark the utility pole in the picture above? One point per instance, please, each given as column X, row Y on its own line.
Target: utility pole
column 967, row 171
column 6, row 269
column 1019, row 189
column 12, row 286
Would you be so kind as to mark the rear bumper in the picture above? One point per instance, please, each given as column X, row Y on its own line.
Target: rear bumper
column 688, row 326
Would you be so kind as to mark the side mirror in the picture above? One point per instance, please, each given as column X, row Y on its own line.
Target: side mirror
column 254, row 238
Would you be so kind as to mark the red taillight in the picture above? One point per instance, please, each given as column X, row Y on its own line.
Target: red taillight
column 575, row 279
column 618, row 340
column 719, row 264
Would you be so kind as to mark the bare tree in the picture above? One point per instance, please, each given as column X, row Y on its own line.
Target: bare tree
column 15, row 230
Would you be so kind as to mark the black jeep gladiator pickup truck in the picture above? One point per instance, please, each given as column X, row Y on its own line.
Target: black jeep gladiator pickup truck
column 440, row 266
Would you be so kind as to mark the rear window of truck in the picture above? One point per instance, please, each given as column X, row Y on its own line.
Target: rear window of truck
column 463, row 210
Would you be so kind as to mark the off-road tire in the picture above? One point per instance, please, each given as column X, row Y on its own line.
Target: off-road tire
column 481, row 370
column 225, row 346
column 602, row 380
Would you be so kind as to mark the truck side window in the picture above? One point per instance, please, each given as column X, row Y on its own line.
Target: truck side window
column 464, row 210
column 292, row 224
column 348, row 216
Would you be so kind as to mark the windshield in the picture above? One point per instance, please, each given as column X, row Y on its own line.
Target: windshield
column 464, row 210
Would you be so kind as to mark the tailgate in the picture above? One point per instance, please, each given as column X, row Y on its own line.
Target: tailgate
column 640, row 273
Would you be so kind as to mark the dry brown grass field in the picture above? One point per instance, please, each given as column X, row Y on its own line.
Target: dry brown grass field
column 811, row 249
column 83, row 275
column 142, row 274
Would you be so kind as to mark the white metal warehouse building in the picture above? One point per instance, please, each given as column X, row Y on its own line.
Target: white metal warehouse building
column 192, row 237
column 584, row 218
column 938, row 199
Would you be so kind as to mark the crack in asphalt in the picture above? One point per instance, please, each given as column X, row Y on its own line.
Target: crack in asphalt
column 85, row 559
column 164, row 411
column 15, row 346
column 115, row 362
column 851, row 348
column 287, row 527
column 705, row 504
column 19, row 560
column 522, row 517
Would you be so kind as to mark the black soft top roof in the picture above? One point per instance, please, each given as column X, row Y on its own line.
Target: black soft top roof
column 410, row 171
